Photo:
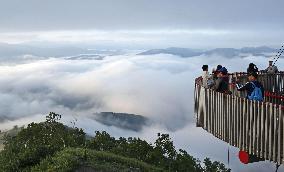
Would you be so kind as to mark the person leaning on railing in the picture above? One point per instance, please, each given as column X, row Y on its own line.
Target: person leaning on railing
column 271, row 69
column 254, row 88
column 205, row 76
column 222, row 82
column 252, row 68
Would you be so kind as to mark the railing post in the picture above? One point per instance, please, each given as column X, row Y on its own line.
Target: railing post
column 271, row 135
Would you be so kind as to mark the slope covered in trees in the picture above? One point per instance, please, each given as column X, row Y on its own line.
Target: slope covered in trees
column 51, row 146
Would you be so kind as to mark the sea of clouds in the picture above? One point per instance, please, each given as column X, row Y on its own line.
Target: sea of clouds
column 159, row 87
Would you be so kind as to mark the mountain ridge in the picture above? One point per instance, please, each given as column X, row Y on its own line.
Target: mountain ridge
column 122, row 120
column 226, row 52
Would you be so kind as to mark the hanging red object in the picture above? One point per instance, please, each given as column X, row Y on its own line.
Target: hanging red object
column 244, row 157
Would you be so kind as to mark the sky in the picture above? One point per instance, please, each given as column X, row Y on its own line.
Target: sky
column 32, row 15
column 186, row 23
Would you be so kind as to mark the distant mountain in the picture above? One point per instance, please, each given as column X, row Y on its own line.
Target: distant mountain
column 86, row 57
column 182, row 52
column 122, row 120
column 21, row 53
column 226, row 52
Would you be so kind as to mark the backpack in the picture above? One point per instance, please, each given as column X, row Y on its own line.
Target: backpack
column 256, row 93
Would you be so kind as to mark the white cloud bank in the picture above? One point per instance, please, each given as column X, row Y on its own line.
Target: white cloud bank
column 149, row 38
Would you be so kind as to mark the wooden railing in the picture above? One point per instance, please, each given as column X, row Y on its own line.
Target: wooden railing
column 273, row 86
column 255, row 127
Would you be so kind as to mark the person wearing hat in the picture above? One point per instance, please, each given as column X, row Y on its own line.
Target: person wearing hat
column 215, row 72
column 219, row 67
column 222, row 84
column 252, row 68
column 271, row 69
column 254, row 88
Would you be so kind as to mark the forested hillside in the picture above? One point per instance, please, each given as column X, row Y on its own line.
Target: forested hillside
column 51, row 146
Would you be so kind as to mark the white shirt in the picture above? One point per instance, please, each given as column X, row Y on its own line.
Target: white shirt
column 205, row 78
column 272, row 69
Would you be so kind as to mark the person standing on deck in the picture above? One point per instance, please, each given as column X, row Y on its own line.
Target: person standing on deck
column 254, row 88
column 205, row 76
column 252, row 68
column 271, row 69
column 222, row 84
column 215, row 72
column 207, row 81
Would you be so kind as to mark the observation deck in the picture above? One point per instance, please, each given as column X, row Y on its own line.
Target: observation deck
column 252, row 126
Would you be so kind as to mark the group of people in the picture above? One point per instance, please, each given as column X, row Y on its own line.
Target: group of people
column 219, row 80
column 271, row 69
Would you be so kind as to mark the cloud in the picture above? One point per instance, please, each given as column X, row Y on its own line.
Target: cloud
column 139, row 39
column 120, row 84
column 156, row 86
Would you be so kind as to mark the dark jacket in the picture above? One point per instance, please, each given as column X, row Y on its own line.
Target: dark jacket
column 249, row 87
column 221, row 85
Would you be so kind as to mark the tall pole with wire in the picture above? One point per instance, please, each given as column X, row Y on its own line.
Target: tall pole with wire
column 279, row 53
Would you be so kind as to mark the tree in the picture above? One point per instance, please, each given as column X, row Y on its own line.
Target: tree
column 185, row 162
column 103, row 141
column 38, row 141
column 214, row 166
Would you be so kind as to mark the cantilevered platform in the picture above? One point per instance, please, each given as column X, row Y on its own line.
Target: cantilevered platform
column 254, row 127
